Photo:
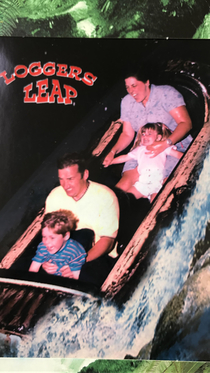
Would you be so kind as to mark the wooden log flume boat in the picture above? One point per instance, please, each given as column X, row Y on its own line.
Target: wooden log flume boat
column 25, row 297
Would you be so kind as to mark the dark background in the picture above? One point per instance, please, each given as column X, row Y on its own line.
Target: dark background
column 30, row 132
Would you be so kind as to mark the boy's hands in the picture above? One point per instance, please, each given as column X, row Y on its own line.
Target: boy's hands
column 66, row 272
column 49, row 267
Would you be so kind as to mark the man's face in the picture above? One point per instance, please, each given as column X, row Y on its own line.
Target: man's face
column 73, row 182
column 138, row 90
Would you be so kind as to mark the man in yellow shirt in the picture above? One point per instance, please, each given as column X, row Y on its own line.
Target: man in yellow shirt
column 96, row 208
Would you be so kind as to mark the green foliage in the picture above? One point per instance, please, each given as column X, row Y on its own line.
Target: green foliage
column 145, row 366
column 170, row 367
column 106, row 6
column 112, row 366
column 157, row 18
column 8, row 16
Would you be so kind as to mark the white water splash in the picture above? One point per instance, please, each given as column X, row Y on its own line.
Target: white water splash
column 83, row 328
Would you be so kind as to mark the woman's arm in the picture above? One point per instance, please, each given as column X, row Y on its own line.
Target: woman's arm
column 124, row 140
column 176, row 153
column 34, row 267
column 184, row 125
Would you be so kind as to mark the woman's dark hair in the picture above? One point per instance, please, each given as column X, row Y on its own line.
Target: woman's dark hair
column 140, row 72
column 70, row 159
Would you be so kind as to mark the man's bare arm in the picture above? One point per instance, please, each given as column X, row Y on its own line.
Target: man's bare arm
column 103, row 246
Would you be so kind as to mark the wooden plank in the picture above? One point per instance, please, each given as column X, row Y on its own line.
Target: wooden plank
column 18, row 248
column 127, row 263
column 46, row 286
column 18, row 314
column 8, row 333
column 107, row 137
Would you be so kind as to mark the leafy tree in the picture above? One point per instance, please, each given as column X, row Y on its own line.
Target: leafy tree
column 145, row 366
column 9, row 10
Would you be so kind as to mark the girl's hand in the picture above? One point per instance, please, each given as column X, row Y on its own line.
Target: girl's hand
column 108, row 159
column 156, row 148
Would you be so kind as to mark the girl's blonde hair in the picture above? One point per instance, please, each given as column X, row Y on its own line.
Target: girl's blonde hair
column 159, row 127
column 61, row 221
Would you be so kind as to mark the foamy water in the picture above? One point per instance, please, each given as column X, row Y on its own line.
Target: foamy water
column 84, row 328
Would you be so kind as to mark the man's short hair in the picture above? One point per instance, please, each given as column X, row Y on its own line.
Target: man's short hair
column 71, row 159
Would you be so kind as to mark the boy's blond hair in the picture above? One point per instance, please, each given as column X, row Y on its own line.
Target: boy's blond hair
column 61, row 221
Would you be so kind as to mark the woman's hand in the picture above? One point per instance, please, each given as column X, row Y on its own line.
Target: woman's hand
column 49, row 267
column 108, row 159
column 156, row 148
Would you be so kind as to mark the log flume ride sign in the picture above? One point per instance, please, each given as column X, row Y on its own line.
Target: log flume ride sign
column 45, row 91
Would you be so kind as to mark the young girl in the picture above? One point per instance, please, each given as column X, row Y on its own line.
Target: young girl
column 57, row 246
column 150, row 168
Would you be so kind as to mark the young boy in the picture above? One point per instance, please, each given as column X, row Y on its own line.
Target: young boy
column 57, row 247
